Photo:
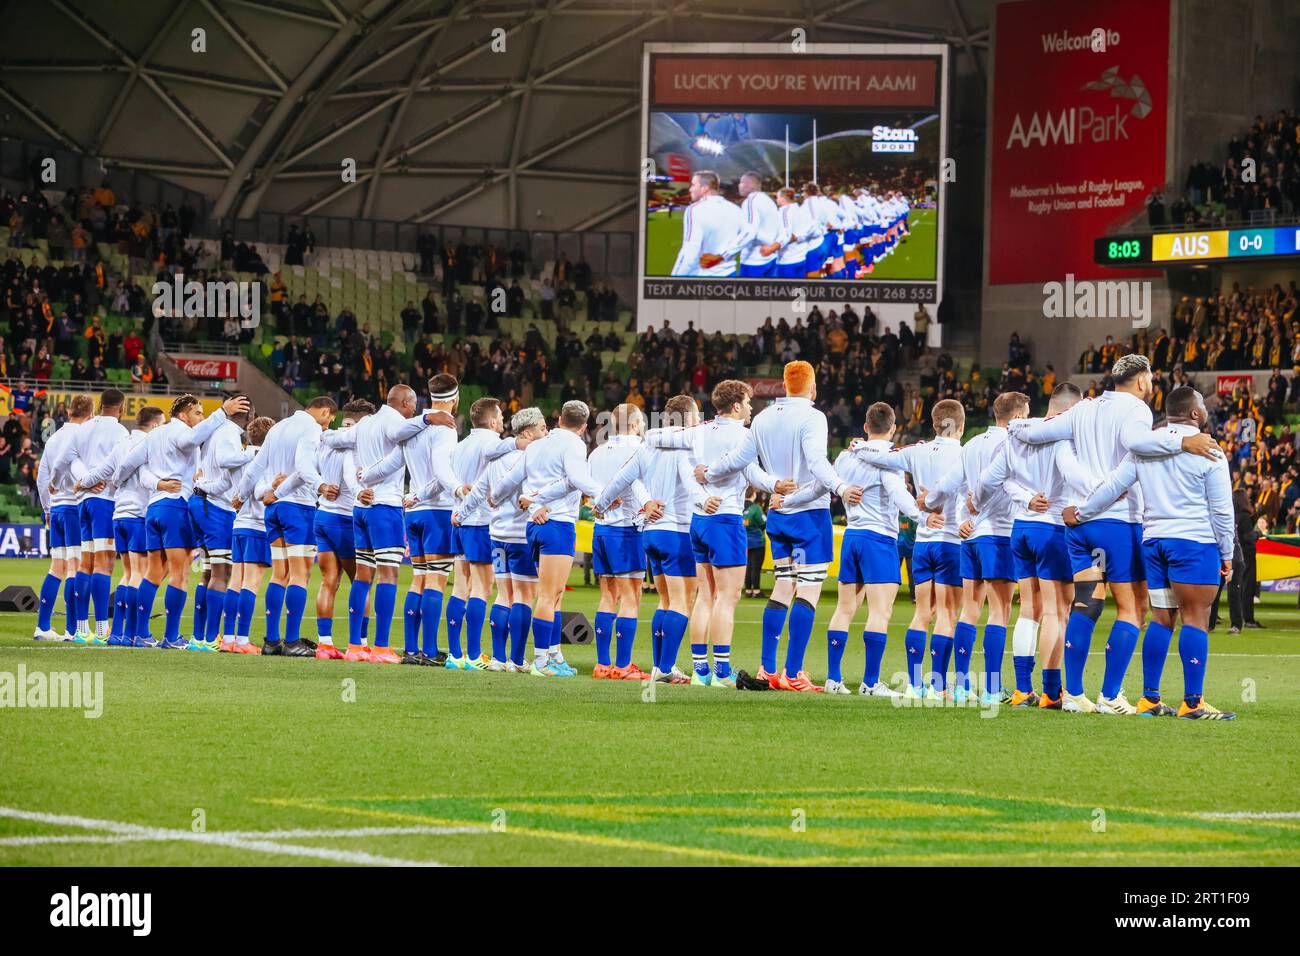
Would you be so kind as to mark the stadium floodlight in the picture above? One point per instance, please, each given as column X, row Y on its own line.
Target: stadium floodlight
column 709, row 145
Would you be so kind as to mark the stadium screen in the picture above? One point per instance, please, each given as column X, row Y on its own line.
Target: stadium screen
column 775, row 179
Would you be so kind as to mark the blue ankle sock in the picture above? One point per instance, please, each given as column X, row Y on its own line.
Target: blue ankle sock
column 1155, row 648
column 1024, row 666
column 700, row 659
column 499, row 628
column 358, row 595
column 521, row 618
column 963, row 648
column 119, row 611
column 604, row 636
column 231, row 626
column 146, row 593
column 1052, row 682
column 412, row 612
column 940, row 653
column 295, row 606
column 914, row 648
column 431, row 618
column 49, row 597
column 675, row 625
column 274, row 605
column 875, row 647
column 1193, row 648
column 624, row 639
column 802, row 615
column 1119, row 651
column 656, row 636
column 212, row 623
column 774, row 616
column 174, row 602
column 475, row 612
column 100, row 586
column 541, row 637
column 247, row 605
column 835, row 644
column 385, row 604
column 325, row 629
column 455, row 625
column 995, row 647
column 722, row 660
column 1078, row 642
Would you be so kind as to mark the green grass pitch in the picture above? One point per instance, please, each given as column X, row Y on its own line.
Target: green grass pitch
column 912, row 259
column 225, row 760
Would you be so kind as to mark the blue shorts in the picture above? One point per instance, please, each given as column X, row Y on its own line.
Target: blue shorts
column 378, row 527
column 1113, row 545
column 167, row 525
column 617, row 551
column 129, row 536
column 472, row 542
column 669, row 553
column 1039, row 550
column 987, row 558
column 252, row 547
column 766, row 270
column 65, row 527
column 290, row 521
column 1179, row 561
column 334, row 534
column 513, row 560
column 806, row 536
column 868, row 557
column 938, row 561
column 552, row 537
column 719, row 540
column 216, row 527
column 429, row 533
column 792, row 270
column 96, row 518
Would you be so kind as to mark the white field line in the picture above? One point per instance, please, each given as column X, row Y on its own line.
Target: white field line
column 1254, row 815
column 251, row 840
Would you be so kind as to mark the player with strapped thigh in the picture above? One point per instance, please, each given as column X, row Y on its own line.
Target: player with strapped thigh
column 1188, row 533
column 513, row 565
column 376, row 442
column 717, row 532
column 789, row 439
column 987, row 568
column 129, row 502
column 668, row 479
column 285, row 478
column 1038, row 479
column 250, row 555
column 59, row 499
column 936, row 559
column 212, row 509
column 1108, row 549
column 617, row 551
column 560, row 457
column 171, row 452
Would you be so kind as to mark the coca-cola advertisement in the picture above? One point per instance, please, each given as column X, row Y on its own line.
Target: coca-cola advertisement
column 213, row 369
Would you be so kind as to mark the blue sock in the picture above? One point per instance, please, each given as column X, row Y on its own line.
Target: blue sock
column 773, row 624
column 146, row 593
column 49, row 597
column 83, row 596
column 656, row 636
column 325, row 629
column 212, row 623
column 700, row 659
column 274, row 604
column 412, row 612
column 121, row 611
column 801, row 624
column 963, row 647
column 675, row 625
column 231, row 609
column 358, row 594
column 521, row 618
column 131, row 614
column 722, row 660
column 247, row 605
column 455, row 623
column 1078, row 642
column 431, row 618
column 875, row 646
column 604, row 636
column 835, row 643
column 200, row 610
column 70, row 603
column 914, row 648
column 995, row 647
column 1119, row 651
column 498, row 628
column 385, row 604
column 365, row 627
column 1155, row 648
column 625, row 638
column 541, row 638
column 174, row 602
column 1024, row 667
column 295, row 605
column 100, row 586
column 475, row 612
column 1193, row 648
column 940, row 653
column 1052, row 682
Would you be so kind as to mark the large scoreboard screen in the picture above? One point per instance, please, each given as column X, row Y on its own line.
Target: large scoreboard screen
column 1196, row 247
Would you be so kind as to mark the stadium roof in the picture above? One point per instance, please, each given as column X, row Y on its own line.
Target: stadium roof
column 442, row 127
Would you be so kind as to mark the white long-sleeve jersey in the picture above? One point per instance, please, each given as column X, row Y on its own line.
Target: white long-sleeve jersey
column 170, row 451
column 508, row 522
column 994, row 515
column 561, row 456
column 92, row 443
column 427, row 457
column 1184, row 496
column 799, row 234
column 605, row 461
column 52, row 469
column 337, row 466
column 668, row 476
column 220, row 459
column 760, row 226
column 708, row 443
column 373, row 440
column 290, row 449
column 826, row 211
column 473, row 454
column 928, row 462
column 710, row 225
column 1021, row 471
column 251, row 515
column 789, row 440
column 1104, row 430
column 884, row 493
column 131, row 498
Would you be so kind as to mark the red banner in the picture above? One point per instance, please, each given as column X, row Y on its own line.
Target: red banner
column 1080, row 99
column 207, row 368
column 767, row 387
column 722, row 82
column 1224, row 384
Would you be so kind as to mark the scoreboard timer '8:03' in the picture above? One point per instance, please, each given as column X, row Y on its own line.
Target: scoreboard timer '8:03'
column 1194, row 247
